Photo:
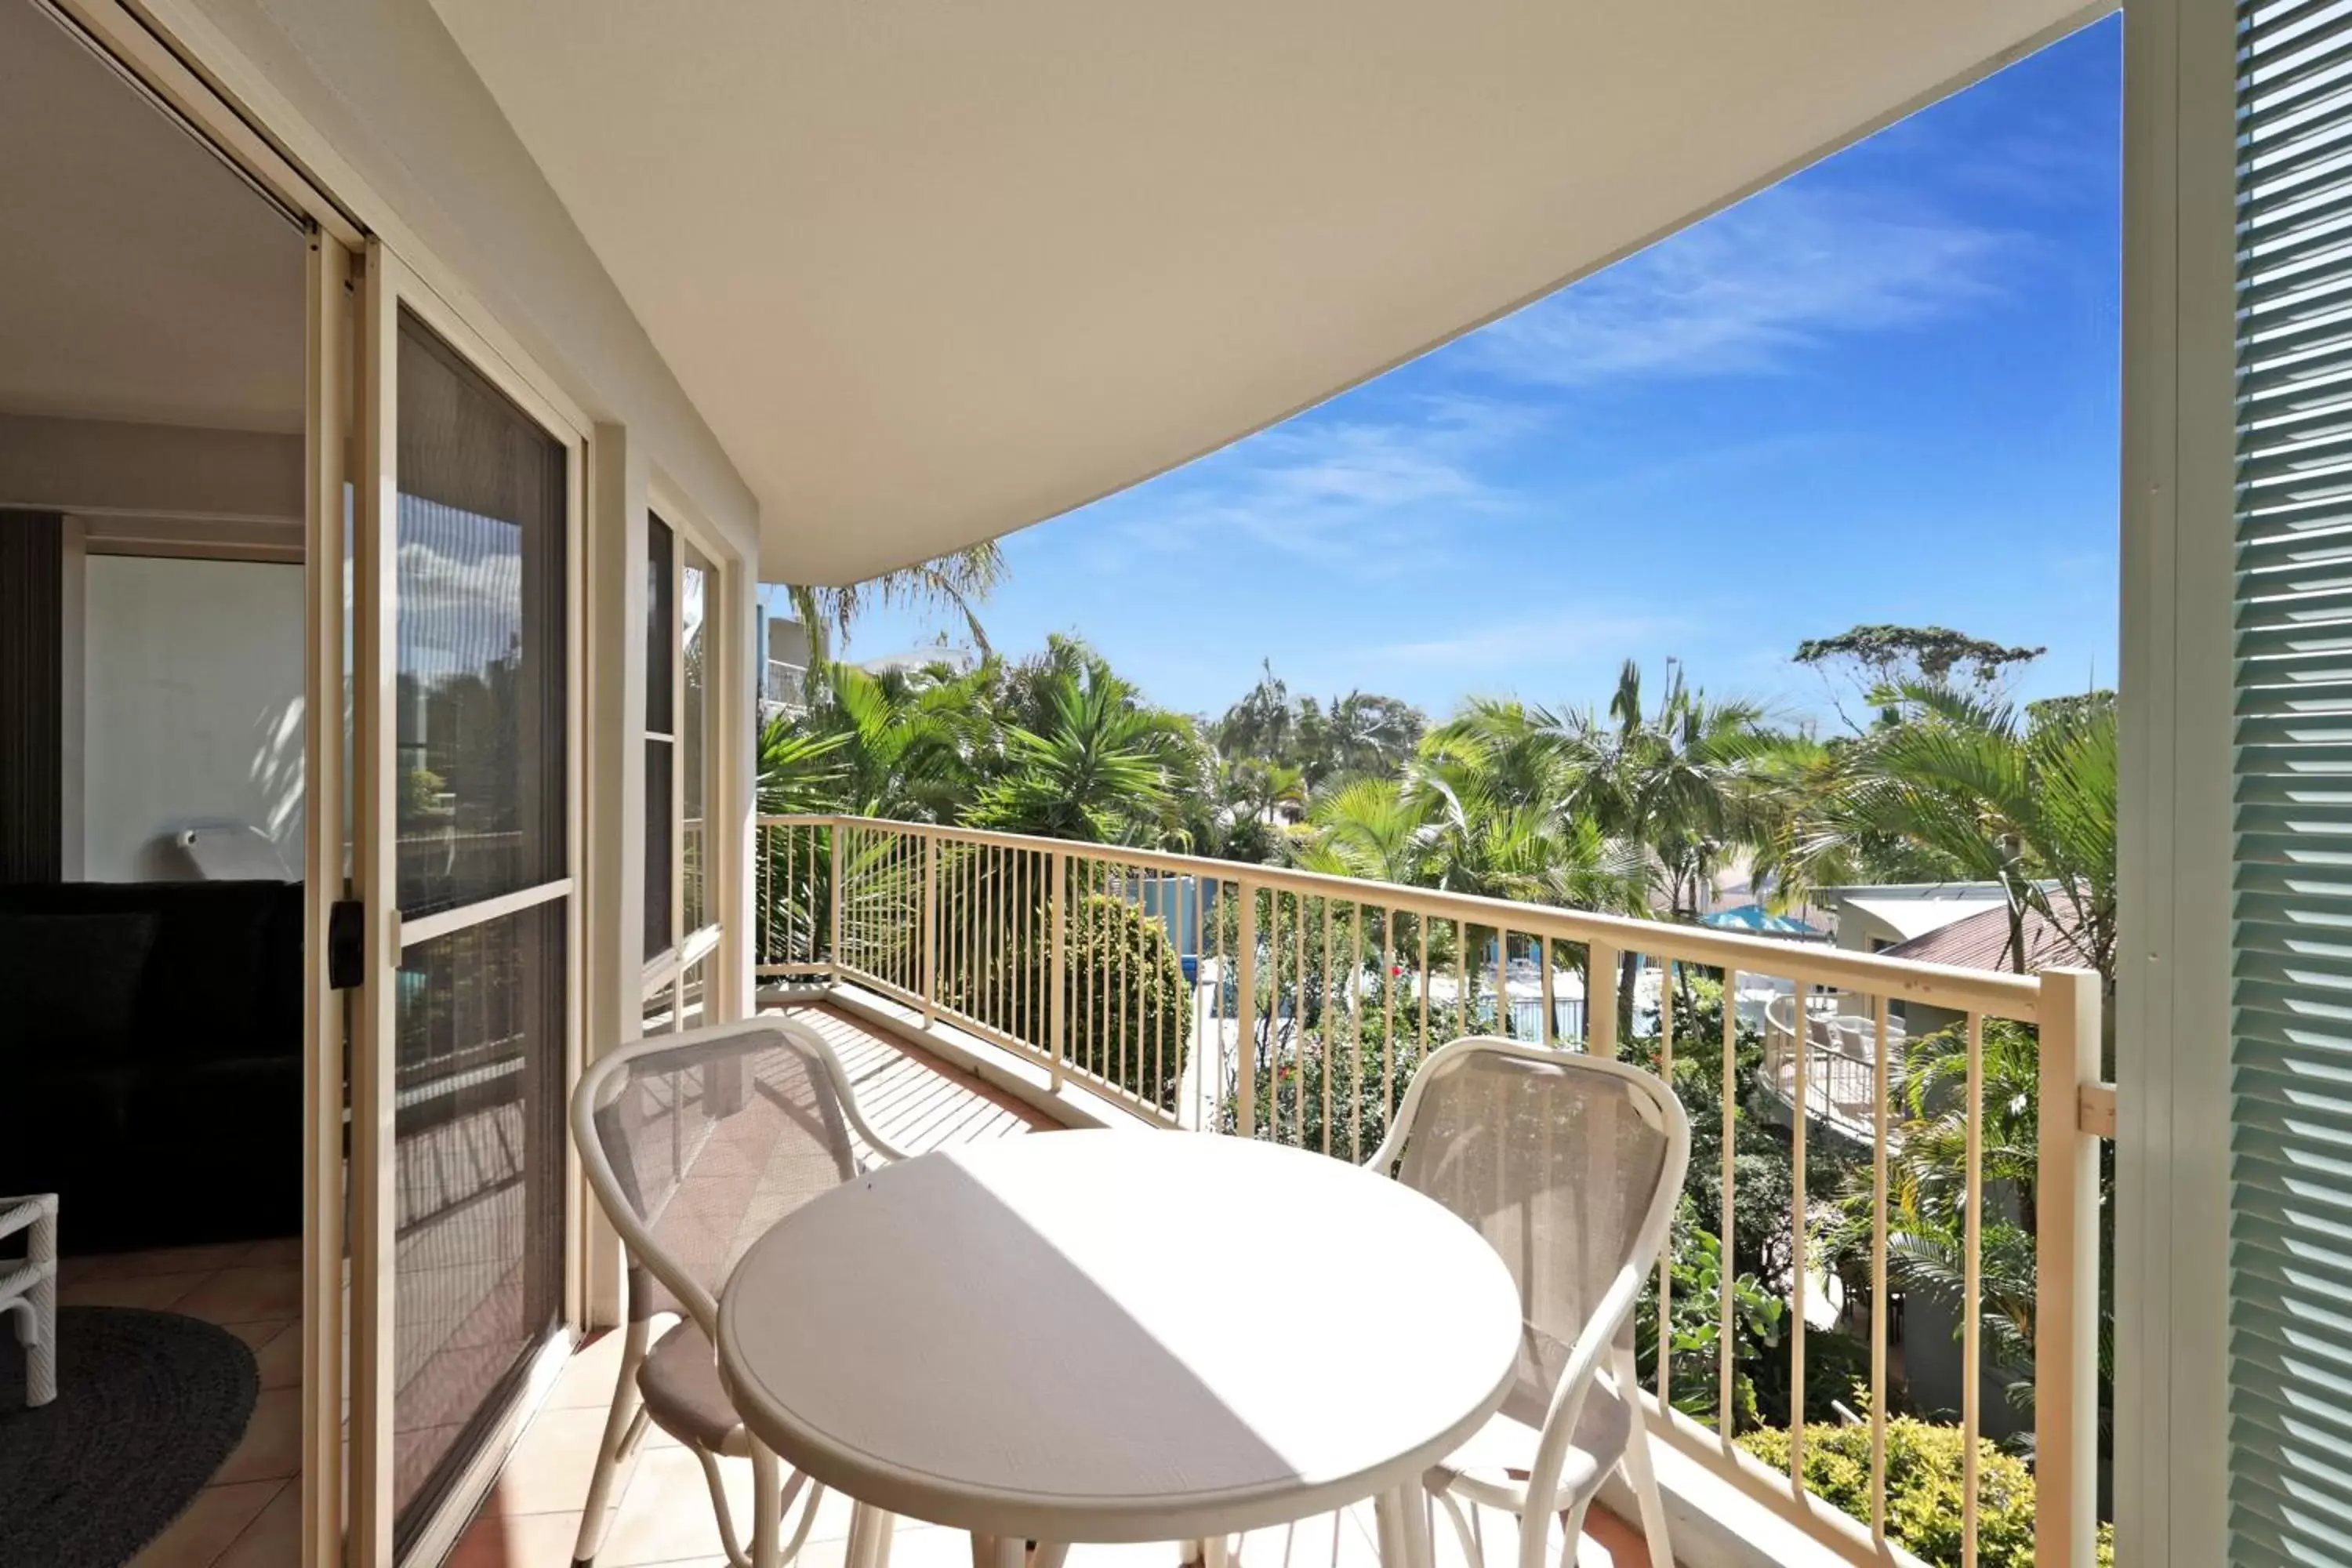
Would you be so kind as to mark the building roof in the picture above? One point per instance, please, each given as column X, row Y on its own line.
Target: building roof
column 934, row 271
column 1914, row 917
column 1981, row 941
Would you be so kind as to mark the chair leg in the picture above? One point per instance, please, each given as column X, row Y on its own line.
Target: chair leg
column 808, row 1516
column 767, row 1510
column 1472, row 1552
column 1641, row 1475
column 622, row 1425
column 1575, row 1521
column 763, row 1487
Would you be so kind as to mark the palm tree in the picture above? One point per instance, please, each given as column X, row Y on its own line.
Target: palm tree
column 898, row 744
column 1478, row 809
column 1682, row 781
column 1367, row 827
column 957, row 582
column 1094, row 769
column 1963, row 786
column 1263, row 725
column 1362, row 733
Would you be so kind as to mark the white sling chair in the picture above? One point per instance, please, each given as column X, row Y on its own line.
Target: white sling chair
column 696, row 1143
column 1569, row 1165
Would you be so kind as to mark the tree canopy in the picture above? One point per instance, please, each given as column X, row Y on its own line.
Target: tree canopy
column 1872, row 661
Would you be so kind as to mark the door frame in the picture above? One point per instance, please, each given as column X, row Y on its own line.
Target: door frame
column 327, row 396
column 388, row 285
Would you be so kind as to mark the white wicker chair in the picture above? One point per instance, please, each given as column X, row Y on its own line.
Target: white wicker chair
column 1570, row 1166
column 28, row 1290
column 696, row 1143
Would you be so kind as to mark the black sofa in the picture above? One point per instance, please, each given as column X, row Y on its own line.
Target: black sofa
column 151, row 1059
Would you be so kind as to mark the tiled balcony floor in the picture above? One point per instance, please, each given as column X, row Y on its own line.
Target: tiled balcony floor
column 663, row 1516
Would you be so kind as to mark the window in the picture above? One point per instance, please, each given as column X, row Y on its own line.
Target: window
column 693, row 597
column 661, row 622
column 681, row 910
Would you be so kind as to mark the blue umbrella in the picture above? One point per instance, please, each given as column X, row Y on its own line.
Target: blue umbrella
column 1756, row 918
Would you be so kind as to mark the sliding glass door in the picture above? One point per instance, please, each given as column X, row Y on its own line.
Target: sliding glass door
column 466, row 762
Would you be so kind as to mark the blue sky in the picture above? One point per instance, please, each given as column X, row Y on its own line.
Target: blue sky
column 1884, row 390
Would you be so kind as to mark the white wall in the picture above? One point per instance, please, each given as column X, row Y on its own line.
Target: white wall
column 193, row 708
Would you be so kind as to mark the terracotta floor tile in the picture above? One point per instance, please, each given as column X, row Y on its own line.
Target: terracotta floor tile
column 1622, row 1541
column 256, row 1334
column 272, row 1446
column 157, row 1260
column 274, row 1539
column 285, row 1250
column 279, row 1358
column 520, row 1540
column 158, row 1291
column 213, row 1519
column 246, row 1295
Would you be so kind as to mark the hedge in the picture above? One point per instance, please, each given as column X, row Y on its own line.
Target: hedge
column 1923, row 1488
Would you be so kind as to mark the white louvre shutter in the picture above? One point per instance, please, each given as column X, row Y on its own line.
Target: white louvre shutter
column 2291, row 1312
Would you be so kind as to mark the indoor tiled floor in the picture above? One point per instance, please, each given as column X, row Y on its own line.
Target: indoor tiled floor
column 250, row 1516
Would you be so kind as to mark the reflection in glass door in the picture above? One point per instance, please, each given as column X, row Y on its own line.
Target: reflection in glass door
column 479, row 1009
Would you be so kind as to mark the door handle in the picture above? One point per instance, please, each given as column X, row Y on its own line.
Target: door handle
column 346, row 945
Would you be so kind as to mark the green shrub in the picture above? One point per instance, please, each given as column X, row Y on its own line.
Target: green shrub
column 1127, row 1009
column 1923, row 1488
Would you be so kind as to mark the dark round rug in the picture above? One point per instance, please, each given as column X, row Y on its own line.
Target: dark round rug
column 148, row 1405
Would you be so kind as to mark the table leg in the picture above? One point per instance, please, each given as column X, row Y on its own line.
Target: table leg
column 1403, row 1521
column 1385, row 1532
column 1050, row 1553
column 869, row 1538
column 1012, row 1551
column 1212, row 1553
column 767, row 1508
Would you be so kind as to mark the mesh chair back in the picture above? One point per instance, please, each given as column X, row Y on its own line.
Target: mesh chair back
column 1557, row 1159
column 706, row 1141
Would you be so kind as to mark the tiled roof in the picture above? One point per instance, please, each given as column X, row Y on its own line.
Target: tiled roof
column 1981, row 941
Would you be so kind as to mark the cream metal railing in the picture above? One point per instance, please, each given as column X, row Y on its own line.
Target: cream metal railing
column 1290, row 1005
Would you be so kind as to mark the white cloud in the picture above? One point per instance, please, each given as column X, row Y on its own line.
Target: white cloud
column 460, row 587
column 1524, row 643
column 1339, row 491
column 1748, row 289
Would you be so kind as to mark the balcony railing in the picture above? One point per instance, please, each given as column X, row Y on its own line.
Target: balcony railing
column 1263, row 1001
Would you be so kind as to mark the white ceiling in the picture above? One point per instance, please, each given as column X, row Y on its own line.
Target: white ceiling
column 140, row 279
column 933, row 271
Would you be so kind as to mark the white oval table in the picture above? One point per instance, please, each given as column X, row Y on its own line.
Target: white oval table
column 1117, row 1336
